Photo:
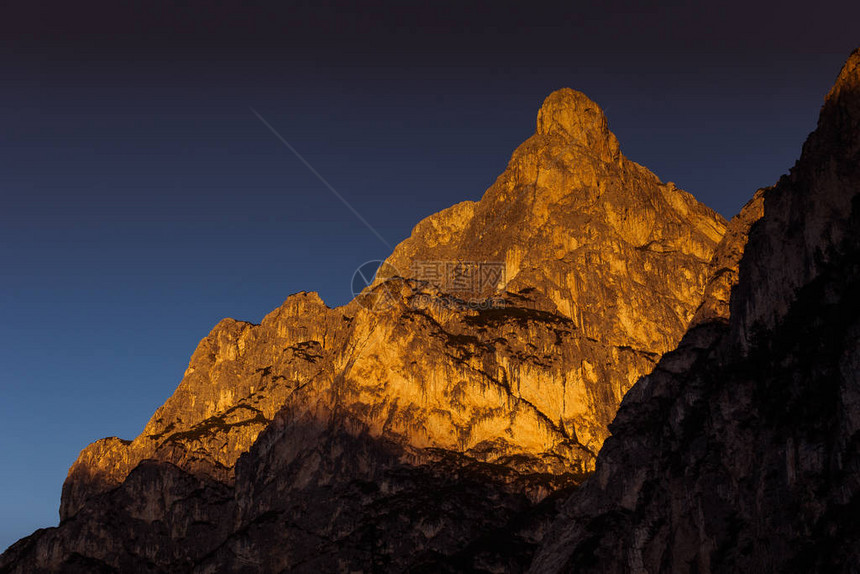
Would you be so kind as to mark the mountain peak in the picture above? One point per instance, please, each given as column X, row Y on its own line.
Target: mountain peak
column 842, row 104
column 573, row 116
column 849, row 76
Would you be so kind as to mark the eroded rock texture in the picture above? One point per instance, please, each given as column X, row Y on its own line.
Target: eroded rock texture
column 428, row 431
column 739, row 453
column 415, row 430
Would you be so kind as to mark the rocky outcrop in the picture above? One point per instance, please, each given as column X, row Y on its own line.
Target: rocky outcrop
column 617, row 251
column 739, row 453
column 238, row 378
column 414, row 426
column 723, row 269
column 605, row 266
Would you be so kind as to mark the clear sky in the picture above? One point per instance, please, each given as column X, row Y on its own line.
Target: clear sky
column 141, row 200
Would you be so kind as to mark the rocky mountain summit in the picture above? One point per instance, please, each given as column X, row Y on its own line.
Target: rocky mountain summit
column 445, row 419
column 740, row 452
column 598, row 269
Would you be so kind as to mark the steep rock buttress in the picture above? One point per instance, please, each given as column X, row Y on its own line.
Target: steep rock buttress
column 741, row 451
column 320, row 438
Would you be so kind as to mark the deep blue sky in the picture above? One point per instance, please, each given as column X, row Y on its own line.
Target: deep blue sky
column 141, row 200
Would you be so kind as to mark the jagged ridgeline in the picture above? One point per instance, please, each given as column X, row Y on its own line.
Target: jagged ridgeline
column 741, row 451
column 405, row 428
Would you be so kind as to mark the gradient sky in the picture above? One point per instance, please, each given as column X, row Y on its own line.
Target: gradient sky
column 141, row 200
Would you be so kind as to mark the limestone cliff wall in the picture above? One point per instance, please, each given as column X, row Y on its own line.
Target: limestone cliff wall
column 739, row 453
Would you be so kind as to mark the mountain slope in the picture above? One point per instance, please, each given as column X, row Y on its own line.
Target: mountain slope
column 740, row 452
column 405, row 426
column 592, row 230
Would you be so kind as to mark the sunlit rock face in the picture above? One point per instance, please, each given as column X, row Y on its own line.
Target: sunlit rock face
column 395, row 431
column 739, row 453
column 604, row 268
column 621, row 254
